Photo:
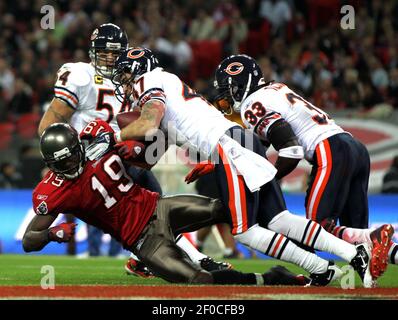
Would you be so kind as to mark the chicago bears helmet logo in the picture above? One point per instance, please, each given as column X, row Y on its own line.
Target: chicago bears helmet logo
column 234, row 68
column 94, row 35
column 135, row 53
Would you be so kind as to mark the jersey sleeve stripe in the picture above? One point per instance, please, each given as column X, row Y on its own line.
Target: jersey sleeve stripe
column 67, row 91
column 66, row 96
column 66, row 101
column 269, row 117
column 152, row 94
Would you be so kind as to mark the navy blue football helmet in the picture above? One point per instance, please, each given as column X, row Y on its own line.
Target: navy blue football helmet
column 107, row 38
column 236, row 77
column 131, row 64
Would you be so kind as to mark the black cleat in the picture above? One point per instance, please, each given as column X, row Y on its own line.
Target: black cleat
column 209, row 264
column 361, row 264
column 280, row 276
column 323, row 279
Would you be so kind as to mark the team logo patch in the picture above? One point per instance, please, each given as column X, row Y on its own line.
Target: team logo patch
column 94, row 35
column 234, row 68
column 42, row 208
column 135, row 53
column 98, row 79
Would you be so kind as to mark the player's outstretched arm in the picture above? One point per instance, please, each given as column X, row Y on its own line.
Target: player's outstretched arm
column 151, row 115
column 58, row 111
column 38, row 233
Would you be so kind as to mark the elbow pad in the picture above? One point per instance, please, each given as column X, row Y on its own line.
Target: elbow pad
column 295, row 152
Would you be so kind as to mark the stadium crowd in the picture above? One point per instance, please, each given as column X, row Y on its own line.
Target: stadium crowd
column 297, row 42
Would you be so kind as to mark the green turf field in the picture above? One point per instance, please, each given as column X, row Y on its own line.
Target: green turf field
column 17, row 270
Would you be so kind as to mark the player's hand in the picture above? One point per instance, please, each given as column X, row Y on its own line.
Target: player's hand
column 200, row 170
column 62, row 232
column 130, row 150
column 95, row 127
column 101, row 145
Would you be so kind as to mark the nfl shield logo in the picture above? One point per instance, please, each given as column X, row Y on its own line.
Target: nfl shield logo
column 42, row 208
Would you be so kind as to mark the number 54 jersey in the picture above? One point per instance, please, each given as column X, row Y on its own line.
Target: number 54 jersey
column 276, row 101
column 104, row 195
column 90, row 95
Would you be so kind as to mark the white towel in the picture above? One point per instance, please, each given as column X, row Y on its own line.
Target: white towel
column 255, row 169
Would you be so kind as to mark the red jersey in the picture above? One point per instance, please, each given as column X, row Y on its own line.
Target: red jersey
column 104, row 196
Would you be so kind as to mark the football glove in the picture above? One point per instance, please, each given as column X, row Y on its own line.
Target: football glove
column 130, row 150
column 201, row 169
column 101, row 145
column 62, row 232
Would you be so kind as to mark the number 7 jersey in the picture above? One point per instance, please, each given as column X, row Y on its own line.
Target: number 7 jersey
column 276, row 101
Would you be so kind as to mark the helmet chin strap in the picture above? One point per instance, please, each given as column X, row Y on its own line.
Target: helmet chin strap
column 237, row 104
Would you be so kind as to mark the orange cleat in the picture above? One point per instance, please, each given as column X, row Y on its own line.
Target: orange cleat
column 137, row 268
column 381, row 244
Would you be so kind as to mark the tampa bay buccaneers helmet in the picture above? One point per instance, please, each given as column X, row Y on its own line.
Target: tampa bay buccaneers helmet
column 62, row 150
column 131, row 64
column 107, row 38
column 235, row 78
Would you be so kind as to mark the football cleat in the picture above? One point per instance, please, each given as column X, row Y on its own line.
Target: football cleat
column 209, row 264
column 280, row 276
column 332, row 273
column 137, row 268
column 361, row 263
column 381, row 244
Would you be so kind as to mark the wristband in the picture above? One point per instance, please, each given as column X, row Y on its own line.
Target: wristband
column 118, row 137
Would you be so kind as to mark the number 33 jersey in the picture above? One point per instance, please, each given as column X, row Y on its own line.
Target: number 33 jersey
column 90, row 95
column 276, row 101
column 104, row 196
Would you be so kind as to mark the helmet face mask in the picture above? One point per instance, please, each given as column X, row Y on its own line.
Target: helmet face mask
column 62, row 151
column 236, row 77
column 107, row 43
column 129, row 67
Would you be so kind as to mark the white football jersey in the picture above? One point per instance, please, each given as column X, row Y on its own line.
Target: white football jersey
column 194, row 121
column 276, row 101
column 90, row 95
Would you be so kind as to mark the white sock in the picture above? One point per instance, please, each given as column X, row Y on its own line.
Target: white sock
column 393, row 254
column 311, row 234
column 277, row 246
column 352, row 235
column 190, row 250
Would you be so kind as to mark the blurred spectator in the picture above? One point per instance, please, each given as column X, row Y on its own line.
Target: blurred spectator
column 277, row 12
column 7, row 80
column 350, row 89
column 232, row 31
column 10, row 178
column 175, row 47
column 21, row 102
column 202, row 26
column 390, row 180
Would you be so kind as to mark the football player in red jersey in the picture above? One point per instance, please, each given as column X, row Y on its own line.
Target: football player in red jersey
column 100, row 192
